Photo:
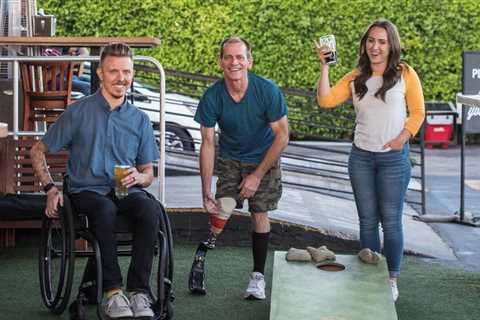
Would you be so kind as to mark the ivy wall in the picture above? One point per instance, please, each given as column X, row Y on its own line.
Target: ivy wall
column 434, row 33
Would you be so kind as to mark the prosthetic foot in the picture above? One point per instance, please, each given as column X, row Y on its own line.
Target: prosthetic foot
column 196, row 279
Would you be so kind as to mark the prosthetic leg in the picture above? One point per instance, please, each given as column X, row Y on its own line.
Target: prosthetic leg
column 197, row 277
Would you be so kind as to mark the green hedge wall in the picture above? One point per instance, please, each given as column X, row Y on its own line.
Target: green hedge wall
column 434, row 33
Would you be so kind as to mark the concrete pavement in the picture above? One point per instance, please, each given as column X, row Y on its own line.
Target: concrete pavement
column 337, row 217
column 329, row 215
column 443, row 198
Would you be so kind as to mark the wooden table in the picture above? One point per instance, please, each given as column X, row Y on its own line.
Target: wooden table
column 91, row 42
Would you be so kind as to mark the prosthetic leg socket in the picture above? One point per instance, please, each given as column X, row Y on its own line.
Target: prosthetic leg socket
column 217, row 222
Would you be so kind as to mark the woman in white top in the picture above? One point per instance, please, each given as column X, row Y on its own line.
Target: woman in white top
column 382, row 89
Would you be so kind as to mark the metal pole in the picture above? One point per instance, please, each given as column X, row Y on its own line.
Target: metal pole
column 161, row 161
column 422, row 168
column 15, row 99
column 462, row 164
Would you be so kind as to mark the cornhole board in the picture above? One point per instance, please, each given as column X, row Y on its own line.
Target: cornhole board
column 302, row 291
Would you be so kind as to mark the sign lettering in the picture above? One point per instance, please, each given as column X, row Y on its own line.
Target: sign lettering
column 476, row 73
column 471, row 72
column 473, row 112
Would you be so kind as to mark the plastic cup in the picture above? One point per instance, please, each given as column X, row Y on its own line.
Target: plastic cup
column 121, row 191
column 328, row 43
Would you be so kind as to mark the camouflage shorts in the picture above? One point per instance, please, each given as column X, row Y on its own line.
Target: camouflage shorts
column 230, row 174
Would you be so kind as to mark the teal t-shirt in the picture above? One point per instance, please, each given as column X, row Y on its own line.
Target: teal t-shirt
column 245, row 133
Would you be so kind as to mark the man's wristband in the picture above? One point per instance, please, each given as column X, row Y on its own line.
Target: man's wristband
column 48, row 186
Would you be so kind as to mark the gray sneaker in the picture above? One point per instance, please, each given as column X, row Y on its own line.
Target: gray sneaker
column 117, row 307
column 140, row 305
column 256, row 287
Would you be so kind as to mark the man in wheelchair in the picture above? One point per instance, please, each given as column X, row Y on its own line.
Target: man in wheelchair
column 102, row 131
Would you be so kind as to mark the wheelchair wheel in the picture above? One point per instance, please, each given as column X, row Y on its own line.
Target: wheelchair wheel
column 56, row 259
column 161, row 286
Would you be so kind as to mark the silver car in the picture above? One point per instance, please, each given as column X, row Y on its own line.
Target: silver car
column 182, row 132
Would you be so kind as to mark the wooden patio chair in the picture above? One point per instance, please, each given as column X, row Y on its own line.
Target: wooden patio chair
column 47, row 88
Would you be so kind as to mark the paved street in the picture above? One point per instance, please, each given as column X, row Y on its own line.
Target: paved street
column 443, row 198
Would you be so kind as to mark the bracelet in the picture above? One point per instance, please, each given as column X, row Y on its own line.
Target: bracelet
column 48, row 186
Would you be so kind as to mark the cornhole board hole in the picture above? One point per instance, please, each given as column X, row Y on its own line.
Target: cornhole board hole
column 300, row 290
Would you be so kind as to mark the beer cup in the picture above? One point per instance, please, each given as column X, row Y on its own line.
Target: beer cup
column 328, row 43
column 121, row 191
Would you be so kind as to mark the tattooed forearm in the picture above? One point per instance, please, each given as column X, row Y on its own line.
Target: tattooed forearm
column 37, row 153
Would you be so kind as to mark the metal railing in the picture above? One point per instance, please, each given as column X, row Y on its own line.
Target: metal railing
column 325, row 161
column 160, row 81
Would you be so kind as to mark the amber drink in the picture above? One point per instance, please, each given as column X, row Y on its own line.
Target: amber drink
column 121, row 191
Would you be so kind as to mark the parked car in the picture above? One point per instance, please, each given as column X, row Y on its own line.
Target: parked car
column 182, row 132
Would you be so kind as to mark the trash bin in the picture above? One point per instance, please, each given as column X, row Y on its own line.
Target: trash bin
column 440, row 121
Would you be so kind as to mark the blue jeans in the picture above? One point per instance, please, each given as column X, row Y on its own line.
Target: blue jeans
column 379, row 182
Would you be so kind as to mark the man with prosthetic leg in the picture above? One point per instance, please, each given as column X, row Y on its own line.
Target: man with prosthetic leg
column 252, row 116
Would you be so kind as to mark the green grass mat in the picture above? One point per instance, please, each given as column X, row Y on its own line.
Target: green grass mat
column 428, row 291
column 432, row 291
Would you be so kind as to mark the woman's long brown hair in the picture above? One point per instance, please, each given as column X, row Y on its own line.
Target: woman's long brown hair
column 394, row 66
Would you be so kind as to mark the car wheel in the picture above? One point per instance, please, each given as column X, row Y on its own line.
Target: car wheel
column 177, row 138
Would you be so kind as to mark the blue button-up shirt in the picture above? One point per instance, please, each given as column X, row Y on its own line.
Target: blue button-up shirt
column 99, row 138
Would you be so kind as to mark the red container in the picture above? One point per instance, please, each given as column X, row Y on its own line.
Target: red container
column 438, row 132
column 439, row 123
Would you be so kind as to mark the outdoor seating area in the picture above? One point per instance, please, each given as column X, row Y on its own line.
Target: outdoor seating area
column 23, row 204
column 179, row 165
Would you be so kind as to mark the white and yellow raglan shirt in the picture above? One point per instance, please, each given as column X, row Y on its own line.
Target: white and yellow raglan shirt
column 378, row 121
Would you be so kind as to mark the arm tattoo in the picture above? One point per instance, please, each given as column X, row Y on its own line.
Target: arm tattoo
column 39, row 162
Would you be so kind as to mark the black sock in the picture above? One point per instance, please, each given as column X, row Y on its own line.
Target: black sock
column 259, row 250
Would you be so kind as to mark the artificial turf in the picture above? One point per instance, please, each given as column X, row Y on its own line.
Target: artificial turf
column 428, row 290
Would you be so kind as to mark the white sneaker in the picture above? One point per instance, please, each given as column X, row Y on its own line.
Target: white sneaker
column 256, row 287
column 393, row 285
column 140, row 305
column 117, row 307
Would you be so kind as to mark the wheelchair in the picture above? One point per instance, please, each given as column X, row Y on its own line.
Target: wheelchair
column 57, row 263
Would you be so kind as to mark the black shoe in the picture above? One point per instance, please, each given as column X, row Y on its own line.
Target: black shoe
column 77, row 309
column 197, row 277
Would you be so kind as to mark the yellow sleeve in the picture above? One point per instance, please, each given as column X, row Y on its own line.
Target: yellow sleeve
column 340, row 93
column 414, row 99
